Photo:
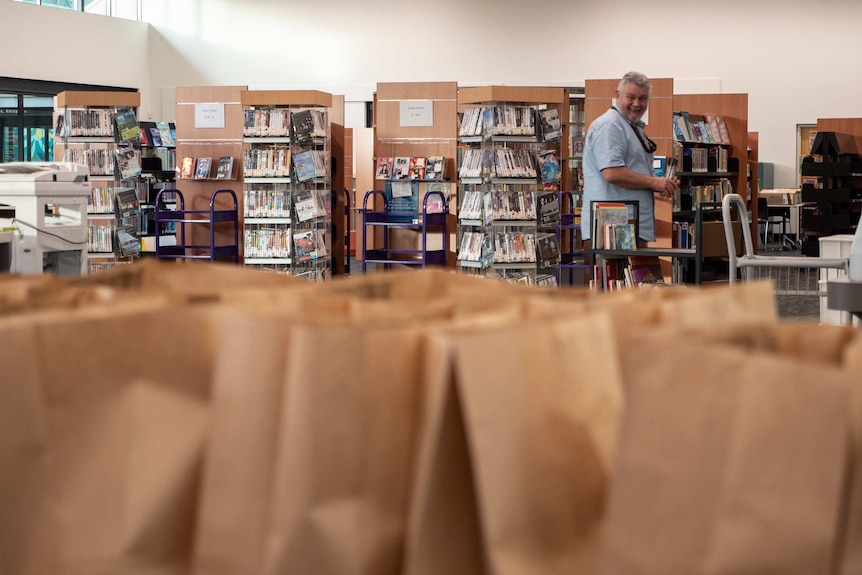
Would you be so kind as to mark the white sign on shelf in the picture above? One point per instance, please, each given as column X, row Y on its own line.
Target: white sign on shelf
column 209, row 115
column 402, row 189
column 417, row 113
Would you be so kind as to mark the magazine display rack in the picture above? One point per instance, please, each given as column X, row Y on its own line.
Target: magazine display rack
column 287, row 197
column 431, row 218
column 511, row 154
column 185, row 220
column 86, row 132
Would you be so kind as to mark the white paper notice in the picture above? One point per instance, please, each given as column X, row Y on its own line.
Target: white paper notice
column 417, row 113
column 210, row 115
column 402, row 189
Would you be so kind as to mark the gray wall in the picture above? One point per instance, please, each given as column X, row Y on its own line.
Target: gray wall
column 791, row 56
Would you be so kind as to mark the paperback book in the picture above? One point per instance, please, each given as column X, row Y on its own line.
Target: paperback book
column 225, row 168
column 549, row 123
column 308, row 165
column 127, row 163
column 127, row 126
column 384, row 168
column 435, row 168
column 202, row 169
column 549, row 167
column 605, row 215
column 187, row 168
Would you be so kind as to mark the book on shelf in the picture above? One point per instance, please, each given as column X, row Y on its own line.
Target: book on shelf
column 620, row 236
column 577, row 146
column 308, row 165
column 127, row 241
column 126, row 204
column 60, row 127
column 225, row 171
column 166, row 134
column 383, row 169
column 435, row 168
column 155, row 136
column 127, row 163
column 187, row 168
column 645, row 270
column 401, row 168
column 722, row 130
column 606, row 214
column 305, row 245
column 549, row 167
column 308, row 124
column 307, row 205
column 548, row 208
column 416, row 169
column 202, row 168
column 127, row 126
column 435, row 204
column 549, row 124
column 547, row 250
column 144, row 139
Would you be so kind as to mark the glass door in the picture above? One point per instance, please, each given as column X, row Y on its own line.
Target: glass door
column 38, row 131
column 26, row 132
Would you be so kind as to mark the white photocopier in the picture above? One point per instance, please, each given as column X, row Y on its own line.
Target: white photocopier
column 50, row 216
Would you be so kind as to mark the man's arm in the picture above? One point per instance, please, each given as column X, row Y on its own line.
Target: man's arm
column 626, row 178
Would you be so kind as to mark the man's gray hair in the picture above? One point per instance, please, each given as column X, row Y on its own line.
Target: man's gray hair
column 636, row 78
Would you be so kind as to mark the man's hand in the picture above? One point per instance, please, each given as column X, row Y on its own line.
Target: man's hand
column 664, row 186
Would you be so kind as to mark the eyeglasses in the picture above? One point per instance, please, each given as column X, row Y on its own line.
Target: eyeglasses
column 648, row 145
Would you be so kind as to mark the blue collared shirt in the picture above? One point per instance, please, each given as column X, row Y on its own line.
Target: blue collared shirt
column 611, row 143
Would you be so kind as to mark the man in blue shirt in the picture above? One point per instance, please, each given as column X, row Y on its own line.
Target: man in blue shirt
column 618, row 158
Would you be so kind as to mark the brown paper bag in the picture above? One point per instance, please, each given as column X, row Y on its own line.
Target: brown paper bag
column 195, row 279
column 103, row 423
column 311, row 446
column 345, row 450
column 538, row 405
column 736, row 467
column 443, row 533
column 235, row 495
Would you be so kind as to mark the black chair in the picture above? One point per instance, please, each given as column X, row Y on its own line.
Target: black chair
column 766, row 221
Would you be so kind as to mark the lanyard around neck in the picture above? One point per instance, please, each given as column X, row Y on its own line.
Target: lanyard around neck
column 648, row 145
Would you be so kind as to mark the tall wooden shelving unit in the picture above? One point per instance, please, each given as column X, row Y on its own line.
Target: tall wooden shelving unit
column 833, row 207
column 96, row 148
column 285, row 143
column 734, row 109
column 196, row 139
column 511, row 191
column 394, row 139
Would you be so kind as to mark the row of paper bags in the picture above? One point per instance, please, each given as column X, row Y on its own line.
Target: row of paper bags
column 192, row 419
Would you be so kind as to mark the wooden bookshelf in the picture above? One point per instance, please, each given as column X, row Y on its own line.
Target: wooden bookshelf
column 331, row 145
column 734, row 109
column 202, row 142
column 534, row 98
column 392, row 139
column 84, row 99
